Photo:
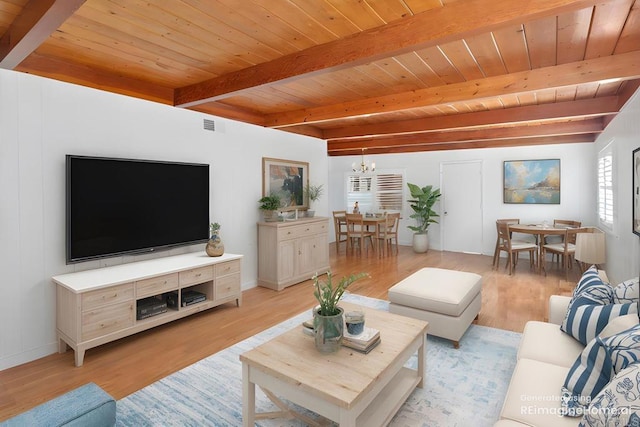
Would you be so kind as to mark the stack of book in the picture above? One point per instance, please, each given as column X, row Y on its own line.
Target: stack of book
column 364, row 342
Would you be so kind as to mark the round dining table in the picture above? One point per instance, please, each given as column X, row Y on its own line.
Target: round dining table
column 540, row 231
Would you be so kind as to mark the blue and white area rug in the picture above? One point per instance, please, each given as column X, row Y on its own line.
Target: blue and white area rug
column 464, row 387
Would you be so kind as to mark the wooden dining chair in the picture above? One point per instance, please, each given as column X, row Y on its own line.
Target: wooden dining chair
column 513, row 248
column 561, row 223
column 497, row 250
column 388, row 232
column 340, row 228
column 357, row 232
column 566, row 249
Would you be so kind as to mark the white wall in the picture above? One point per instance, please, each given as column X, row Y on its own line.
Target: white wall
column 577, row 176
column 623, row 247
column 41, row 120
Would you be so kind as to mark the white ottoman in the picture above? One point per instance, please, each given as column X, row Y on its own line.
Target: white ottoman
column 449, row 300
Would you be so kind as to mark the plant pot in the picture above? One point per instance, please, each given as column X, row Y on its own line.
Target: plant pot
column 310, row 214
column 328, row 331
column 420, row 243
column 270, row 216
column 214, row 247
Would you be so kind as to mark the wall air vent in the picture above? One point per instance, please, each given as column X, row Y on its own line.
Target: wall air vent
column 209, row 125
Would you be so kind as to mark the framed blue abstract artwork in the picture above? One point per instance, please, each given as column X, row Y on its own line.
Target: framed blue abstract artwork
column 532, row 181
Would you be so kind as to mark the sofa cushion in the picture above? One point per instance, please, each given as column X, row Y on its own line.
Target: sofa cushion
column 601, row 359
column 618, row 404
column 619, row 324
column 534, row 395
column 547, row 343
column 592, row 307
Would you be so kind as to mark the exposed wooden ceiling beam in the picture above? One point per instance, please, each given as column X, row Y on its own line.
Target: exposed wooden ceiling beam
column 462, row 145
column 590, row 126
column 83, row 75
column 39, row 19
column 624, row 66
column 562, row 110
column 464, row 19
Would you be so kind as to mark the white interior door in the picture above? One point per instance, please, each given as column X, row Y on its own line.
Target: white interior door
column 461, row 206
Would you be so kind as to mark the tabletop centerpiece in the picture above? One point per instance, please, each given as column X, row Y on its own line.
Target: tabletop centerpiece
column 328, row 318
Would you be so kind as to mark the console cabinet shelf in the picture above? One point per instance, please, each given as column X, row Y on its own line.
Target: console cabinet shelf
column 98, row 306
column 292, row 251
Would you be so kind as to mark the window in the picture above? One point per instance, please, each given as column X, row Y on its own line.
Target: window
column 605, row 186
column 376, row 192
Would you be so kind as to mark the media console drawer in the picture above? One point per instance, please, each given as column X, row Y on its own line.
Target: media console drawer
column 156, row 285
column 94, row 307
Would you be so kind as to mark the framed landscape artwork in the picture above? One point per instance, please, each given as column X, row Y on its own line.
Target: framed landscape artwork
column 287, row 179
column 532, row 181
column 636, row 191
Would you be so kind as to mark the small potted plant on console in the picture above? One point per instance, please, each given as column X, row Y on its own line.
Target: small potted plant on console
column 214, row 247
column 313, row 193
column 269, row 205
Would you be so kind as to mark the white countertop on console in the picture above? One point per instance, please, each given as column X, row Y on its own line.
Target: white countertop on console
column 83, row 281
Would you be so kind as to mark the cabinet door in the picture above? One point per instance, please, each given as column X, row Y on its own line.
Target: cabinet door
column 320, row 252
column 286, row 260
column 304, row 255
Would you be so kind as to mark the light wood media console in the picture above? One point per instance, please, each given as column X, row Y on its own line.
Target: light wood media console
column 98, row 306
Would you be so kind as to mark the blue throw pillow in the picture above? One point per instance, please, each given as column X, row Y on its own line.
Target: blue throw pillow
column 618, row 404
column 600, row 360
column 592, row 307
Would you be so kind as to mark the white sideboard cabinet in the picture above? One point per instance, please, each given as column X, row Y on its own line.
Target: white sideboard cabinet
column 98, row 306
column 292, row 251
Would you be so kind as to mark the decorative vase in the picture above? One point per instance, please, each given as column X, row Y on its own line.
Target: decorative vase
column 420, row 243
column 215, row 247
column 328, row 331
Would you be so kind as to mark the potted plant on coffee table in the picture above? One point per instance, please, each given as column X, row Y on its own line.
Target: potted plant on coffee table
column 328, row 318
column 313, row 193
column 423, row 199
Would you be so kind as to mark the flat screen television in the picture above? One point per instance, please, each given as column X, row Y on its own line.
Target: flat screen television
column 124, row 206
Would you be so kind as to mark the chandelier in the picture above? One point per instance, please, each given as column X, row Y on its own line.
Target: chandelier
column 363, row 167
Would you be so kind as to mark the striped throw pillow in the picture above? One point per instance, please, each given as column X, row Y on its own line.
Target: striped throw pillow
column 592, row 307
column 599, row 362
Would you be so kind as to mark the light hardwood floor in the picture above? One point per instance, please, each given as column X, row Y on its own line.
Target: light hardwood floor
column 127, row 365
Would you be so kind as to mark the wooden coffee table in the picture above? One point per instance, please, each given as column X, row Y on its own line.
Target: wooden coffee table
column 347, row 387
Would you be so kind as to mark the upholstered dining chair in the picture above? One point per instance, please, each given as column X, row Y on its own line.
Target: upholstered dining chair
column 357, row 232
column 561, row 223
column 566, row 249
column 340, row 228
column 497, row 250
column 388, row 232
column 513, row 248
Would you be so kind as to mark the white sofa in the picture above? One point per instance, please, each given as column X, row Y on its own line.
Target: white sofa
column 544, row 358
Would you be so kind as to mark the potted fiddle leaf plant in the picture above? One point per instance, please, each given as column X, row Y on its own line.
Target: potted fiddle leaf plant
column 313, row 193
column 328, row 318
column 269, row 205
column 423, row 199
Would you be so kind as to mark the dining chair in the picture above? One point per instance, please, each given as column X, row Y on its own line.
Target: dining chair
column 561, row 223
column 566, row 249
column 388, row 232
column 357, row 232
column 513, row 248
column 497, row 250
column 340, row 228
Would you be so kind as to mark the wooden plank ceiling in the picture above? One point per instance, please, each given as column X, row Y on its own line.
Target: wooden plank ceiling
column 388, row 76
